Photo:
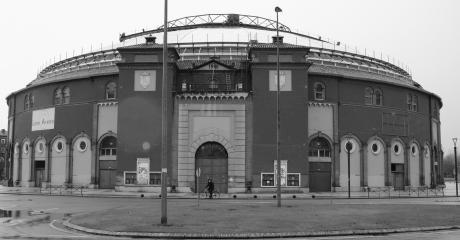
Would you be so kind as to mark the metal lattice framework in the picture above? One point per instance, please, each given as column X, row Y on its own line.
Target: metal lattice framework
column 218, row 21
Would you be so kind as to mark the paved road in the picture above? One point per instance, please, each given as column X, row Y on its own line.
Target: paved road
column 38, row 217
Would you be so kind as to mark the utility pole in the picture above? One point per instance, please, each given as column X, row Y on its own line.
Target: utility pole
column 456, row 168
column 164, row 119
column 278, row 161
column 349, row 146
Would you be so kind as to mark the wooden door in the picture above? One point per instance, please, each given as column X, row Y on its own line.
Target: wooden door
column 107, row 178
column 212, row 160
column 320, row 177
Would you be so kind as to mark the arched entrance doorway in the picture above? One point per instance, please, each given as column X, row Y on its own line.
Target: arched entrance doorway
column 319, row 158
column 212, row 160
column 107, row 162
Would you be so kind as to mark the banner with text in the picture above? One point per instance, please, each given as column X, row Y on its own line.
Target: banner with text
column 43, row 119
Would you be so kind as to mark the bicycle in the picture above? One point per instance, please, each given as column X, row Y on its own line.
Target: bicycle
column 205, row 194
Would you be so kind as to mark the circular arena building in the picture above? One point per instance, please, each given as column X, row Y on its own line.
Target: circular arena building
column 95, row 119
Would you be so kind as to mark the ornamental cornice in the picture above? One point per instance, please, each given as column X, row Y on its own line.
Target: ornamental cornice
column 212, row 96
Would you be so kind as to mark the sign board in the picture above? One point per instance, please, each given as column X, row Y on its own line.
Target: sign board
column 143, row 170
column 43, row 119
column 283, row 172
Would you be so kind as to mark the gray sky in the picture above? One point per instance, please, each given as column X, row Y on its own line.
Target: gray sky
column 424, row 35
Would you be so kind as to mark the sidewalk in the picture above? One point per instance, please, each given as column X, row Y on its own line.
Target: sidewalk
column 86, row 192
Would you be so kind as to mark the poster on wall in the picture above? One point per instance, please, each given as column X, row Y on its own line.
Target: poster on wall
column 285, row 80
column 43, row 119
column 143, row 169
column 283, row 171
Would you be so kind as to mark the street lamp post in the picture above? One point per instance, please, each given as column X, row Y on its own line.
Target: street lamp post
column 278, row 161
column 164, row 123
column 348, row 147
column 456, row 171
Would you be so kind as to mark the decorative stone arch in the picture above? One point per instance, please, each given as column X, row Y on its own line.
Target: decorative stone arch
column 107, row 134
column 375, row 164
column 356, row 163
column 415, row 161
column 351, row 136
column 56, row 137
column 16, row 162
column 75, row 178
column 107, row 167
column 398, row 140
column 236, row 163
column 26, row 163
column 398, row 175
column 211, row 137
column 322, row 135
column 79, row 135
column 58, row 161
column 427, row 164
column 42, row 176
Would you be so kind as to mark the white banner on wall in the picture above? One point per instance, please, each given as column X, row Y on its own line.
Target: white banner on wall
column 283, row 171
column 43, row 119
column 143, row 169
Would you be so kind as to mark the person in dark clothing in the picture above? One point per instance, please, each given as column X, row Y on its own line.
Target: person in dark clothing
column 210, row 187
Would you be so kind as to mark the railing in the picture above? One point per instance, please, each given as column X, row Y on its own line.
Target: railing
column 389, row 192
column 63, row 189
column 211, row 88
column 364, row 63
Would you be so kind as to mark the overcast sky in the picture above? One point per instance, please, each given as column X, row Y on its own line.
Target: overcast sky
column 424, row 35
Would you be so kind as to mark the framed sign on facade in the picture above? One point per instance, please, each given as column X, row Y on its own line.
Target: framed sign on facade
column 143, row 170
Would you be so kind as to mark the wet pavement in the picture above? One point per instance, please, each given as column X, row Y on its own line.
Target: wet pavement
column 40, row 216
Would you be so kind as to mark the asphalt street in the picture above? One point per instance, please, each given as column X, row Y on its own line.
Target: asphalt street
column 40, row 216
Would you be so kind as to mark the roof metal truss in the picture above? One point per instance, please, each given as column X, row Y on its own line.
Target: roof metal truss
column 218, row 21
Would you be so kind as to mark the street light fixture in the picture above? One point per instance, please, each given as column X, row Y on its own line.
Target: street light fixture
column 164, row 124
column 348, row 147
column 456, row 171
column 278, row 161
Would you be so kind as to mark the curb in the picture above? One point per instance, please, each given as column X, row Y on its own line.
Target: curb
column 337, row 233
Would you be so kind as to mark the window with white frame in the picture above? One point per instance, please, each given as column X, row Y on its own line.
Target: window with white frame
column 319, row 147
column 293, row 179
column 131, row 178
column 267, row 179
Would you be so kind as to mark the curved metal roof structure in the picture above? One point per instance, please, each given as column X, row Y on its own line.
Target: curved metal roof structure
column 325, row 57
column 218, row 21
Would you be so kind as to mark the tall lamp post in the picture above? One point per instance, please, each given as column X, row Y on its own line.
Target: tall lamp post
column 278, row 161
column 164, row 123
column 348, row 147
column 456, row 171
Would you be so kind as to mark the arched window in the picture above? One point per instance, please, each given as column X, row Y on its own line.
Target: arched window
column 66, row 93
column 412, row 102
column 378, row 97
column 109, row 146
column 57, row 96
column 26, row 102
column 368, row 96
column 31, row 100
column 319, row 147
column 111, row 91
column 319, row 91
